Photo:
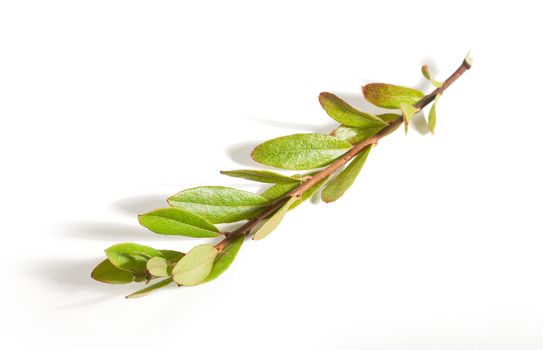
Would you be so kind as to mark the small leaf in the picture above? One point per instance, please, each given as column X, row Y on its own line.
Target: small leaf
column 131, row 257
column 274, row 220
column 158, row 267
column 106, row 272
column 390, row 96
column 151, row 288
column 277, row 191
column 195, row 266
column 261, row 176
column 432, row 115
column 300, row 151
column 341, row 183
column 175, row 221
column 408, row 111
column 219, row 204
column 426, row 72
column 225, row 258
column 343, row 113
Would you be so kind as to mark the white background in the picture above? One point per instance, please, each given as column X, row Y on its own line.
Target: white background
column 108, row 107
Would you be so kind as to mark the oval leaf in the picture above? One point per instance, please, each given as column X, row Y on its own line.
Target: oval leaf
column 225, row 258
column 151, row 288
column 390, row 96
column 175, row 221
column 131, row 257
column 274, row 220
column 195, row 266
column 343, row 113
column 158, row 267
column 219, row 204
column 300, row 151
column 106, row 272
column 341, row 183
column 261, row 176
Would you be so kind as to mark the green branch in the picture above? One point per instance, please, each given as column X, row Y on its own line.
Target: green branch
column 195, row 212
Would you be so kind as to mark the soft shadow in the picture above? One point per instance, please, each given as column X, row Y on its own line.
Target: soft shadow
column 432, row 64
column 241, row 152
column 136, row 205
column 111, row 232
column 316, row 197
column 322, row 129
column 423, row 84
column 66, row 273
column 70, row 276
column 420, row 124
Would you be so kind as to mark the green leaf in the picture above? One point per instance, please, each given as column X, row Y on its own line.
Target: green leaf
column 408, row 111
column 172, row 255
column 106, row 272
column 426, row 72
column 158, row 267
column 141, row 277
column 300, row 151
column 343, row 113
column 176, row 221
column 432, row 115
column 225, row 258
column 131, row 257
column 162, row 267
column 219, row 204
column 341, row 183
column 151, row 288
column 261, row 176
column 195, row 266
column 277, row 191
column 274, row 220
column 391, row 96
column 389, row 117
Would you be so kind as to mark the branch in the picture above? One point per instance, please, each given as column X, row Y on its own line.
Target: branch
column 338, row 163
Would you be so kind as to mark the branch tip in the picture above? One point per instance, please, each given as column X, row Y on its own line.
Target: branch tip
column 468, row 59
